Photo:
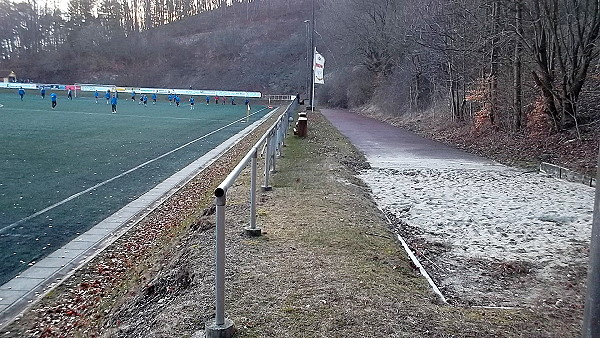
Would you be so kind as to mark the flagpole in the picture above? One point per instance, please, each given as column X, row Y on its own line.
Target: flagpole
column 312, row 96
column 306, row 91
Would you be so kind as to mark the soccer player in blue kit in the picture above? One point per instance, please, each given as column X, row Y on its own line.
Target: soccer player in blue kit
column 113, row 102
column 53, row 100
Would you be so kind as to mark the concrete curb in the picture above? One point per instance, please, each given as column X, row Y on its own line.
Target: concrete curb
column 566, row 174
column 415, row 260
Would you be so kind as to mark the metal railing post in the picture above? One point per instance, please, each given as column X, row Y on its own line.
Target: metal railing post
column 220, row 261
column 220, row 326
column 279, row 138
column 273, row 150
column 266, row 186
column 284, row 128
column 252, row 230
column 280, row 135
column 253, row 192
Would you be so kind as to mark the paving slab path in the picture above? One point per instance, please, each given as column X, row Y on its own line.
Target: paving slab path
column 387, row 146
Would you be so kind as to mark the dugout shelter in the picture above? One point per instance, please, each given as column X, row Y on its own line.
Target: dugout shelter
column 9, row 77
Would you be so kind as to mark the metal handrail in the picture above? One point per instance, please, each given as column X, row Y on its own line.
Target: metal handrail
column 273, row 138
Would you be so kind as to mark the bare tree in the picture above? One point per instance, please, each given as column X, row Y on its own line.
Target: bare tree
column 517, row 68
column 565, row 42
column 374, row 30
column 448, row 29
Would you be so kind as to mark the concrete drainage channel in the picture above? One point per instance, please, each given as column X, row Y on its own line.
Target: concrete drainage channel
column 426, row 275
column 416, row 261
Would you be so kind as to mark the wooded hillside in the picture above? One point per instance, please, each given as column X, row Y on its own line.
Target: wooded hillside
column 249, row 45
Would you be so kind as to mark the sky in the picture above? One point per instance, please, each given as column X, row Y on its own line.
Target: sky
column 62, row 4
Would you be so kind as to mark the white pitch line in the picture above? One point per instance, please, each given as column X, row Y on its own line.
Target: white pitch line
column 8, row 227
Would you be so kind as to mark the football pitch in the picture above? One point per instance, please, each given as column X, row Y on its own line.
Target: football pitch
column 64, row 170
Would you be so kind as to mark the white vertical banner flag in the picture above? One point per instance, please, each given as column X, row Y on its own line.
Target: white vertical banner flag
column 318, row 67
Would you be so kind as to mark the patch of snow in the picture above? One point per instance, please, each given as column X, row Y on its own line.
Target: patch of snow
column 487, row 211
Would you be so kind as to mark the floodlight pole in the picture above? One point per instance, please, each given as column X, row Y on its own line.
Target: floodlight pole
column 307, row 45
column 591, row 313
column 312, row 58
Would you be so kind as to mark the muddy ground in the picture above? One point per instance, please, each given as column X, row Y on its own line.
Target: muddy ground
column 327, row 265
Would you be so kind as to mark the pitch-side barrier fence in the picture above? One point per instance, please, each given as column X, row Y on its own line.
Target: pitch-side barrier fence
column 270, row 144
column 272, row 97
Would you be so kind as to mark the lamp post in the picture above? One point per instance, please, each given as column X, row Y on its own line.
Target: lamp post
column 591, row 311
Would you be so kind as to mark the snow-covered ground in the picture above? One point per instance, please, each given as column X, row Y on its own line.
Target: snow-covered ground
column 490, row 235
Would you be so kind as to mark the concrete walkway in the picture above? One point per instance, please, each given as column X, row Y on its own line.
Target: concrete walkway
column 23, row 290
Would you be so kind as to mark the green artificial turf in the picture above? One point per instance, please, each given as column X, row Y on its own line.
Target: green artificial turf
column 47, row 156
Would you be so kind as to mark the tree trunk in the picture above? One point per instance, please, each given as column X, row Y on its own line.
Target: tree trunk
column 517, row 69
column 545, row 85
column 493, row 78
column 453, row 106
